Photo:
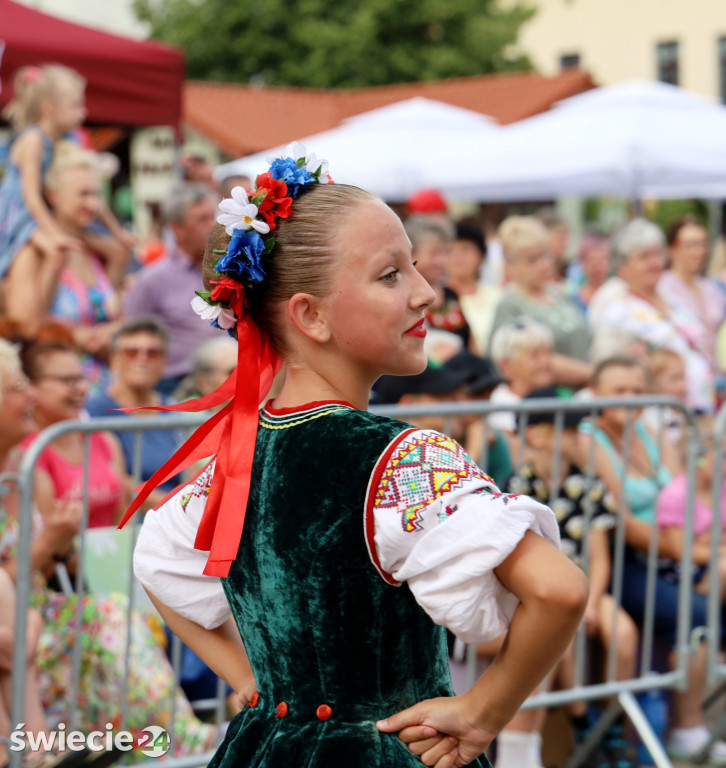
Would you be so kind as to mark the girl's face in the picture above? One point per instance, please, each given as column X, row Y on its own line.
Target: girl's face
column 60, row 387
column 376, row 304
column 68, row 110
column 16, row 407
column 620, row 381
column 77, row 199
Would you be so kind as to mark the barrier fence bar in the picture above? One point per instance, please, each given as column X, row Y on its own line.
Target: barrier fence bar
column 622, row 692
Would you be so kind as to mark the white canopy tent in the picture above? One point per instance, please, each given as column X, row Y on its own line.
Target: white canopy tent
column 637, row 139
column 391, row 151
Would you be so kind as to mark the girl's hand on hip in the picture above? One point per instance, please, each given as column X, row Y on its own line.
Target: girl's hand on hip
column 442, row 731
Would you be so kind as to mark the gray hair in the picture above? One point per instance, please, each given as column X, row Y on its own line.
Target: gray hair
column 150, row 324
column 636, row 235
column 207, row 353
column 175, row 206
column 517, row 336
column 420, row 226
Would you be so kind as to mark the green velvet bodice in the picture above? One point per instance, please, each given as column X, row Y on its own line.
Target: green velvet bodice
column 325, row 634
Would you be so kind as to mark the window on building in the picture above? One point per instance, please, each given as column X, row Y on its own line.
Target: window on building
column 667, row 62
column 570, row 61
column 722, row 68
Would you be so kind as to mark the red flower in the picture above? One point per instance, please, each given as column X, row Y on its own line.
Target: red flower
column 276, row 204
column 227, row 289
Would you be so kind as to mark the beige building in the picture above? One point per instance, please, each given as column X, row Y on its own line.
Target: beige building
column 681, row 41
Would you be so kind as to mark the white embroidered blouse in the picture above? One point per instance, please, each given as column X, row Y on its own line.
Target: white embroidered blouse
column 432, row 519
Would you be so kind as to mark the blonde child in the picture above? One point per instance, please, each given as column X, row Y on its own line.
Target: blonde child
column 341, row 505
column 667, row 374
column 48, row 105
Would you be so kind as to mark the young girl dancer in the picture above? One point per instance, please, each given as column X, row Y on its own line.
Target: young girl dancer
column 361, row 534
column 48, row 105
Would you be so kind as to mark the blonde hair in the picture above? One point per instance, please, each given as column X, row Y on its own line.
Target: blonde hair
column 33, row 86
column 69, row 156
column 9, row 360
column 304, row 253
column 518, row 336
column 518, row 233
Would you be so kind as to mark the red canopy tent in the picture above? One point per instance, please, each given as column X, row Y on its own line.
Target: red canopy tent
column 130, row 83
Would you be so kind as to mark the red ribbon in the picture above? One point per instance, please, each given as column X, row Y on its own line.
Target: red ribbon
column 231, row 434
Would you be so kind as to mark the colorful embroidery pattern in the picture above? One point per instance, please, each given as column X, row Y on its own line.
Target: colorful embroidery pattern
column 420, row 470
column 201, row 487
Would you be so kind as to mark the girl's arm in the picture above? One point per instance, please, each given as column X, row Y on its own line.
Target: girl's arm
column 221, row 649
column 552, row 592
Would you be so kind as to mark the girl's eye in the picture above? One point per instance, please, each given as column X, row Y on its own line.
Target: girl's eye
column 391, row 277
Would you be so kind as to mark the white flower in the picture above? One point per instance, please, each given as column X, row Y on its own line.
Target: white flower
column 298, row 151
column 240, row 213
column 225, row 317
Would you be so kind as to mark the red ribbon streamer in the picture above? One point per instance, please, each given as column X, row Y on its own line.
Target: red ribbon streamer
column 231, row 434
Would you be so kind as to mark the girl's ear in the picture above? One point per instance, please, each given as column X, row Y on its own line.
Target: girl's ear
column 308, row 317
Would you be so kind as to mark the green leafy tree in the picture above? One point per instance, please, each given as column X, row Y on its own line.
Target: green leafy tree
column 329, row 43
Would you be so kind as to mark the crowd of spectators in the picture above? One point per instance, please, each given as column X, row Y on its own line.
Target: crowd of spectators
column 89, row 331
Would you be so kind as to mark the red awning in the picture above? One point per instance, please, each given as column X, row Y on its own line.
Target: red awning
column 129, row 82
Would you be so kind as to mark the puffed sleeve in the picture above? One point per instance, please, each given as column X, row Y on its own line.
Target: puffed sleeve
column 167, row 564
column 435, row 520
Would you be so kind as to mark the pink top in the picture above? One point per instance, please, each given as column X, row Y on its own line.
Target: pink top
column 104, row 484
column 672, row 502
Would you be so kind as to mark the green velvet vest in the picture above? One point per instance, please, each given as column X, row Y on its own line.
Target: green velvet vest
column 332, row 645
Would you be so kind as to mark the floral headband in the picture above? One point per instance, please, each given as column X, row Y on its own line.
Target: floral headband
column 230, row 433
column 250, row 220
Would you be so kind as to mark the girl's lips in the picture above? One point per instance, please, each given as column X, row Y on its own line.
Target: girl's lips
column 417, row 330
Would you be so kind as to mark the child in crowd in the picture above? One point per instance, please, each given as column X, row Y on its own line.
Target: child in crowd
column 522, row 351
column 667, row 372
column 586, row 513
column 672, row 509
column 48, row 105
column 312, row 518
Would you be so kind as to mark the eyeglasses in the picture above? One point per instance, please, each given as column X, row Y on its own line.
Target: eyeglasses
column 68, row 381
column 131, row 353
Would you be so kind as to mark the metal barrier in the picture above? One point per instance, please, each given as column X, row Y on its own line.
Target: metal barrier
column 621, row 692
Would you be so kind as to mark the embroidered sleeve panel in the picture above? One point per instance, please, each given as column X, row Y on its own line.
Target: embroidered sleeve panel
column 415, row 485
column 199, row 489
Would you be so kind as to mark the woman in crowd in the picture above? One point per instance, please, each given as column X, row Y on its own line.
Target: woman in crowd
column 595, row 264
column 633, row 302
column 138, row 361
column 212, row 363
column 696, row 301
column 478, row 300
column 431, row 238
column 80, row 290
column 150, row 680
column 649, row 468
column 55, row 369
column 530, row 292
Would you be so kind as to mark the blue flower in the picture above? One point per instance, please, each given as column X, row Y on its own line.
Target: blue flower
column 285, row 169
column 242, row 259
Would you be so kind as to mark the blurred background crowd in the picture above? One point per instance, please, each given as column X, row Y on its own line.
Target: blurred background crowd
column 531, row 302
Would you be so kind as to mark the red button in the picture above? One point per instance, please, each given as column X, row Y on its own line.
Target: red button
column 281, row 709
column 254, row 700
column 324, row 712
